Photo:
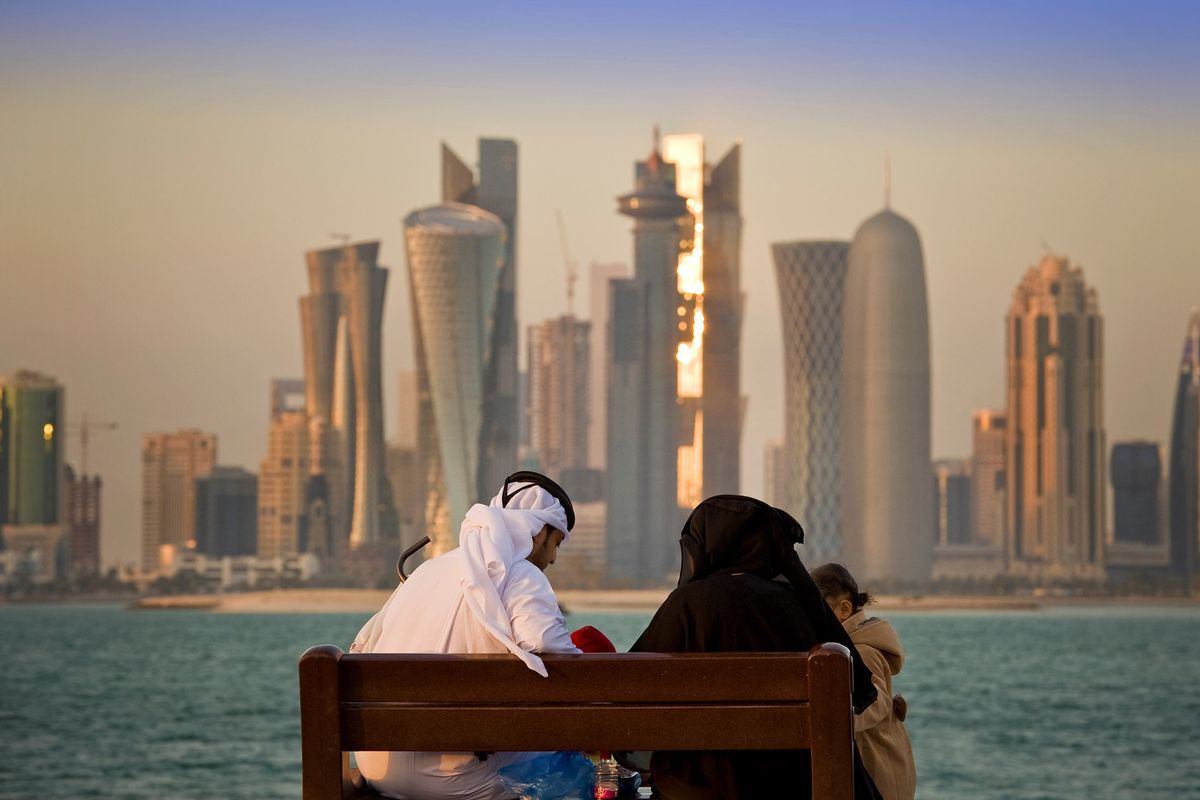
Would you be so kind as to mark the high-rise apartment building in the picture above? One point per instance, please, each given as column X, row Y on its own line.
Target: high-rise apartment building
column 283, row 481
column 31, row 449
column 811, row 277
column 952, row 502
column 171, row 463
column 83, row 522
column 495, row 191
column 987, row 477
column 598, row 299
column 887, row 529
column 559, row 361
column 1137, row 482
column 456, row 255
column 653, row 404
column 1055, row 448
column 1185, row 459
column 227, row 512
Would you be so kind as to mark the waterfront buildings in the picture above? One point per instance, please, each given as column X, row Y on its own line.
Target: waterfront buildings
column 171, row 463
column 811, row 279
column 776, row 473
column 1055, row 445
column 227, row 512
column 987, row 477
column 952, row 502
column 456, row 256
column 652, row 322
column 1137, row 481
column 1185, row 459
column 559, row 362
column 495, row 191
column 342, row 326
column 31, row 449
column 598, row 309
column 284, row 478
column 83, row 522
column 887, row 529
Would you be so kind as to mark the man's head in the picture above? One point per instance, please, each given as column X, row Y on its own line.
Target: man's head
column 545, row 547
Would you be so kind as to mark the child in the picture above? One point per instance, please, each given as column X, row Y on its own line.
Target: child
column 879, row 732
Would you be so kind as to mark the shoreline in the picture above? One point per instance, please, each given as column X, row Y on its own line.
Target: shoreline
column 368, row 601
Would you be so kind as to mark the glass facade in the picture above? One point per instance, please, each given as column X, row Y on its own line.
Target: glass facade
column 31, row 432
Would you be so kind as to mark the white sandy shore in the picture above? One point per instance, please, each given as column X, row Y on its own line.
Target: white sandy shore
column 368, row 601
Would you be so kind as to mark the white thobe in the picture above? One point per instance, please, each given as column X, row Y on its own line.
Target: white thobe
column 429, row 614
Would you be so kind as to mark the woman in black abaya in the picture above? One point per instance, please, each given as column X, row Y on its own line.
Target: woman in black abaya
column 742, row 588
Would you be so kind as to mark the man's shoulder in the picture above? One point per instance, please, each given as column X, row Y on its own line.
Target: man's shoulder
column 525, row 576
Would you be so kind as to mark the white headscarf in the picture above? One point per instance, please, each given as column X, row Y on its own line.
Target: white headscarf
column 491, row 539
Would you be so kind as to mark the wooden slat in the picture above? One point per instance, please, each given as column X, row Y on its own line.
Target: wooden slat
column 583, row 727
column 624, row 677
column 320, row 735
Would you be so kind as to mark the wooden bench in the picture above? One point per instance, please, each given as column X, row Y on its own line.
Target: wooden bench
column 620, row 701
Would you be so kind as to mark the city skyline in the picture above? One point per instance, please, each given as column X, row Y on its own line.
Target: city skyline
column 207, row 196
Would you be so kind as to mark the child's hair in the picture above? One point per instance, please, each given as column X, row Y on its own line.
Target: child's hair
column 836, row 582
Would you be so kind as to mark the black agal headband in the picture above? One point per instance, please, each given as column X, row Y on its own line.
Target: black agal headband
column 526, row 478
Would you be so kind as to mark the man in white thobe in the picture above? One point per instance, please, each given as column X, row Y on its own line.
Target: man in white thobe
column 488, row 595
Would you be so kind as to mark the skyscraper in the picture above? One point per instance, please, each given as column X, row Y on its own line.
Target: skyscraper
column 342, row 323
column 456, row 256
column 1185, row 459
column 559, row 356
column 227, row 512
column 494, row 192
column 776, row 473
column 652, row 324
column 283, row 481
column 171, row 462
column 952, row 502
column 1136, row 470
column 811, row 277
column 1055, row 448
column 598, row 298
column 83, row 522
column 887, row 530
column 31, row 451
column 987, row 477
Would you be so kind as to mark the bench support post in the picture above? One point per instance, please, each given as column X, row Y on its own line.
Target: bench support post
column 832, row 723
column 320, row 731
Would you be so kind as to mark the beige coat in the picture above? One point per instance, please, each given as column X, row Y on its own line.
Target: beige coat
column 882, row 740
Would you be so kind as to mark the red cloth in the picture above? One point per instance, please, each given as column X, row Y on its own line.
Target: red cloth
column 590, row 640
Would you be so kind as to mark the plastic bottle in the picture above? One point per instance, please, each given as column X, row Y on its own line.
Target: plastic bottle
column 607, row 773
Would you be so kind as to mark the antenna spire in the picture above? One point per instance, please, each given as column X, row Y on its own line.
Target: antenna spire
column 887, row 180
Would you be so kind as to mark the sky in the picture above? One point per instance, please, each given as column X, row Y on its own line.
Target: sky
column 164, row 166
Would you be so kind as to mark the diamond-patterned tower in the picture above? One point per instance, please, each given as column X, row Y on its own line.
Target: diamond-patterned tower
column 812, row 281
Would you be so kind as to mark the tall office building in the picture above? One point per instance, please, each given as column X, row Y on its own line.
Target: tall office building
column 598, row 297
column 83, row 522
column 811, row 277
column 456, row 257
column 651, row 422
column 952, row 502
column 1136, row 471
column 887, row 530
column 342, row 322
column 987, row 477
column 1185, row 459
column 171, row 463
column 283, row 481
column 776, row 473
column 495, row 191
column 227, row 513
column 559, row 351
column 1055, row 447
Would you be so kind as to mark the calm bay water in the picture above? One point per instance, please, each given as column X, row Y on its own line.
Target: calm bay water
column 1080, row 703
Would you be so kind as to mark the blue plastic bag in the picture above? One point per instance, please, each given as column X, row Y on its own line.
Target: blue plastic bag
column 551, row 776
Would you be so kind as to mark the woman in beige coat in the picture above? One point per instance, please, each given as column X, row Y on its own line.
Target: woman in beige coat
column 879, row 732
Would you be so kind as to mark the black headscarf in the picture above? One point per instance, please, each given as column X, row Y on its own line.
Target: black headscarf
column 729, row 534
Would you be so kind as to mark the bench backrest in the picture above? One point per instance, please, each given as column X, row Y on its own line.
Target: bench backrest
column 620, row 701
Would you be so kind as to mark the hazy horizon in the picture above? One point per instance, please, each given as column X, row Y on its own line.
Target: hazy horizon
column 163, row 170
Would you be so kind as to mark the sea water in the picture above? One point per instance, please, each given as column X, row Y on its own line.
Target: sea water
column 99, row 701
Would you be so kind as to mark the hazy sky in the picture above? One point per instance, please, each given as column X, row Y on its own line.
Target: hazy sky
column 163, row 167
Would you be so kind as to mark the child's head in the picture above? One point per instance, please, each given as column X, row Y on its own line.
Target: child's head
column 840, row 590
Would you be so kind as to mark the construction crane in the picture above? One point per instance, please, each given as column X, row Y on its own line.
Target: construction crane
column 572, row 268
column 84, row 428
